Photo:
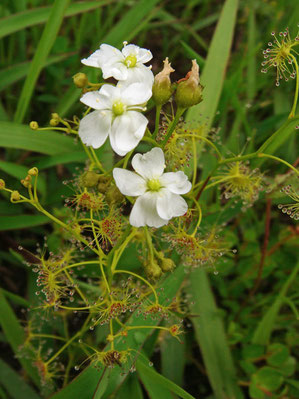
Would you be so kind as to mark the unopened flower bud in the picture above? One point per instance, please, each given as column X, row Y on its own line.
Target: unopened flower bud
column 80, row 80
column 54, row 122
column 153, row 270
column 54, row 115
column 15, row 196
column 33, row 125
column 162, row 90
column 2, row 184
column 33, row 171
column 189, row 90
column 89, row 179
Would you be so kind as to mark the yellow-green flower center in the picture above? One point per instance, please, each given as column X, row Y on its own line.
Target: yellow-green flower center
column 153, row 185
column 118, row 108
column 130, row 61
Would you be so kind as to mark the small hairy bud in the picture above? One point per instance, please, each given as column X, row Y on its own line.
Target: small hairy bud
column 153, row 270
column 162, row 90
column 167, row 265
column 113, row 195
column 103, row 183
column 33, row 125
column 27, row 181
column 80, row 80
column 2, row 184
column 33, row 171
column 189, row 90
column 90, row 179
column 15, row 196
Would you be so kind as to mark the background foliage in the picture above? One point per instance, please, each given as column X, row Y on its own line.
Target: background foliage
column 240, row 338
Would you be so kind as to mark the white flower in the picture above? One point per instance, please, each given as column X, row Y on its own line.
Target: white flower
column 126, row 65
column 158, row 193
column 117, row 115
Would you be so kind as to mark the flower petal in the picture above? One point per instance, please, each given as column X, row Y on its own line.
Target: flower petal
column 176, row 182
column 129, row 183
column 149, row 165
column 144, row 212
column 95, row 100
column 170, row 205
column 111, row 61
column 143, row 55
column 127, row 130
column 135, row 93
column 92, row 60
column 95, row 127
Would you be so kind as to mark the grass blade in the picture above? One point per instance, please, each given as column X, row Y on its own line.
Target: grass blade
column 14, row 384
column 22, row 221
column 17, row 22
column 13, row 74
column 15, row 335
column 43, row 49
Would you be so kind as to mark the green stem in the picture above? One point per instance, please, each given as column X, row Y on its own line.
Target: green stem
column 172, row 126
column 158, row 112
column 293, row 110
column 279, row 160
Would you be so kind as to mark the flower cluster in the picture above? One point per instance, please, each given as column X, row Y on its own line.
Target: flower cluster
column 118, row 108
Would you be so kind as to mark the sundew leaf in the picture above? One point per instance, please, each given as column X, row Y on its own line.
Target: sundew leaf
column 214, row 70
column 25, row 19
column 85, row 384
column 14, row 384
column 14, row 135
column 152, row 379
column 43, row 49
column 15, row 335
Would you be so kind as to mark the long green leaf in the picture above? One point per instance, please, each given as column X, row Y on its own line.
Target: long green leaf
column 14, row 135
column 40, row 15
column 211, row 337
column 215, row 66
column 43, row 49
column 14, row 73
column 21, row 221
column 14, row 384
column 15, row 335
column 151, row 378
